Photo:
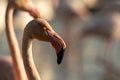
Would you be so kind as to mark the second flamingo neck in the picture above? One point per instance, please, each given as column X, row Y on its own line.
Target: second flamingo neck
column 19, row 71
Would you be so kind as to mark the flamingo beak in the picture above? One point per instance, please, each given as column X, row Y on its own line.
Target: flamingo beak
column 58, row 43
column 35, row 13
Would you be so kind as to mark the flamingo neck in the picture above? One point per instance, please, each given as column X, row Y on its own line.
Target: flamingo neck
column 18, row 67
column 30, row 68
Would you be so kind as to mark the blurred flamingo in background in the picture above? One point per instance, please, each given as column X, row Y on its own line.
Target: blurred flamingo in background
column 104, row 24
column 24, row 5
column 6, row 68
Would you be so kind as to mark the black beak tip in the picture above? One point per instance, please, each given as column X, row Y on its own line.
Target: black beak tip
column 60, row 56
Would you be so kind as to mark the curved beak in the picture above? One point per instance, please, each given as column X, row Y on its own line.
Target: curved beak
column 60, row 56
column 58, row 43
column 34, row 12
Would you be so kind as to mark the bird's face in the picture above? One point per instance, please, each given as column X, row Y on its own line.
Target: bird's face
column 41, row 30
column 57, row 42
column 25, row 5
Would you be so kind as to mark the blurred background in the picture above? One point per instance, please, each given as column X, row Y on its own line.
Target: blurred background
column 91, row 30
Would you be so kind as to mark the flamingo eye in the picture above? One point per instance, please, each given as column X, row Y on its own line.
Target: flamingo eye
column 45, row 28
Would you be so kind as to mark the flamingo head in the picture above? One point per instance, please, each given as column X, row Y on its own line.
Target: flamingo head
column 25, row 5
column 41, row 30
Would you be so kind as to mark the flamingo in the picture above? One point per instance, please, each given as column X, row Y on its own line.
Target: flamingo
column 106, row 26
column 24, row 5
column 39, row 29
